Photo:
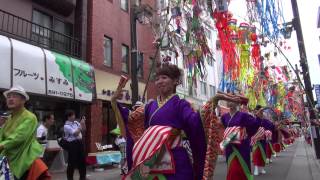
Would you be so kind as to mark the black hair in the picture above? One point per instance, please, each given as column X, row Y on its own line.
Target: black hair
column 46, row 117
column 170, row 70
column 70, row 113
column 258, row 107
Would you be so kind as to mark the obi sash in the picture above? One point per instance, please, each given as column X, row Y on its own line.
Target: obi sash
column 268, row 135
column 152, row 153
column 233, row 135
column 260, row 134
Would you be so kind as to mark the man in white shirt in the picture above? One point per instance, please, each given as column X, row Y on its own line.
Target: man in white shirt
column 42, row 134
column 73, row 135
column 42, row 131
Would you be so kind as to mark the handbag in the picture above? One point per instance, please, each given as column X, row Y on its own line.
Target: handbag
column 63, row 143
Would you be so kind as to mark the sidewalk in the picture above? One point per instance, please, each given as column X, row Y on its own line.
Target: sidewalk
column 301, row 166
column 314, row 163
column 107, row 173
column 297, row 162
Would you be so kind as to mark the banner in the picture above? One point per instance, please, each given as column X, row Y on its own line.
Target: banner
column 59, row 75
column 83, row 78
column 5, row 62
column 28, row 67
column 44, row 72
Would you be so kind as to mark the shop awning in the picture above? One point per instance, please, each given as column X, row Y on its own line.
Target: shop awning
column 106, row 84
column 44, row 72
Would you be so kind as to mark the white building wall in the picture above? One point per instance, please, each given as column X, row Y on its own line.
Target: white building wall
column 212, row 72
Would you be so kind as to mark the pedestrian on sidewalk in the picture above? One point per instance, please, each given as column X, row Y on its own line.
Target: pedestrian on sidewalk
column 42, row 133
column 75, row 148
column 121, row 143
column 18, row 141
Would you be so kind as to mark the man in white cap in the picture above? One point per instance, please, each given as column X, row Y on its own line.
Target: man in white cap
column 17, row 138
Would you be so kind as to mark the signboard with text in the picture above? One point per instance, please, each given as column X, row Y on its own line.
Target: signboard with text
column 59, row 75
column 44, row 72
column 5, row 62
column 83, row 78
column 317, row 91
column 28, row 67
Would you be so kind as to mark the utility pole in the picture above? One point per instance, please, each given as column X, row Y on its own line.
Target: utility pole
column 303, row 58
column 134, row 52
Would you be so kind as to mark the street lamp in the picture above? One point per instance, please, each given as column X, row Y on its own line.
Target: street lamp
column 143, row 14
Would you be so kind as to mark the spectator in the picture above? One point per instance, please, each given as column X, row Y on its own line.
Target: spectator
column 121, row 143
column 17, row 138
column 42, row 131
column 73, row 135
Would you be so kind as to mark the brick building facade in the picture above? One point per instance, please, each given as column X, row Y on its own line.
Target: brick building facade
column 109, row 23
column 78, row 29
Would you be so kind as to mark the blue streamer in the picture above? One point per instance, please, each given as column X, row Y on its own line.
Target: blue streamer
column 270, row 13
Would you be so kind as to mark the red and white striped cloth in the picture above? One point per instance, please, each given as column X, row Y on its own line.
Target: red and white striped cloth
column 151, row 141
column 233, row 135
column 268, row 134
column 260, row 134
column 240, row 133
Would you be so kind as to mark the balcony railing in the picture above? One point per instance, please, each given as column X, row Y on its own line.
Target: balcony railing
column 33, row 33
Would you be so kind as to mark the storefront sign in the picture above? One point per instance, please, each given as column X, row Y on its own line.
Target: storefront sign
column 59, row 76
column 5, row 62
column 83, row 78
column 28, row 67
column 106, row 84
column 44, row 72
column 317, row 91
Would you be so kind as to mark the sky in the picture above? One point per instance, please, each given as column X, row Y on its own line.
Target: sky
column 308, row 10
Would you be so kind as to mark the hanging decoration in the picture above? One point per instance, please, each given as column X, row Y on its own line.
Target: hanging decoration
column 270, row 15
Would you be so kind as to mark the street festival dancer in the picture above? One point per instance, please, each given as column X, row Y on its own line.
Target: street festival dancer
column 258, row 141
column 239, row 128
column 157, row 112
column 159, row 153
column 18, row 139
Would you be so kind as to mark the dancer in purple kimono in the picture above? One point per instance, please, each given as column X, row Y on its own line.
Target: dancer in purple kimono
column 159, row 152
column 259, row 156
column 238, row 155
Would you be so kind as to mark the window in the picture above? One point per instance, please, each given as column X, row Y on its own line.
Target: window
column 318, row 17
column 124, row 5
column 51, row 32
column 203, row 88
column 140, row 65
column 125, row 58
column 153, row 72
column 163, row 4
column 210, row 61
column 107, row 45
column 41, row 34
column 207, row 33
column 218, row 45
column 62, row 42
column 212, row 90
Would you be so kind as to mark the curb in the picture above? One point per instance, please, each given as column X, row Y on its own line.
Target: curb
column 314, row 164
